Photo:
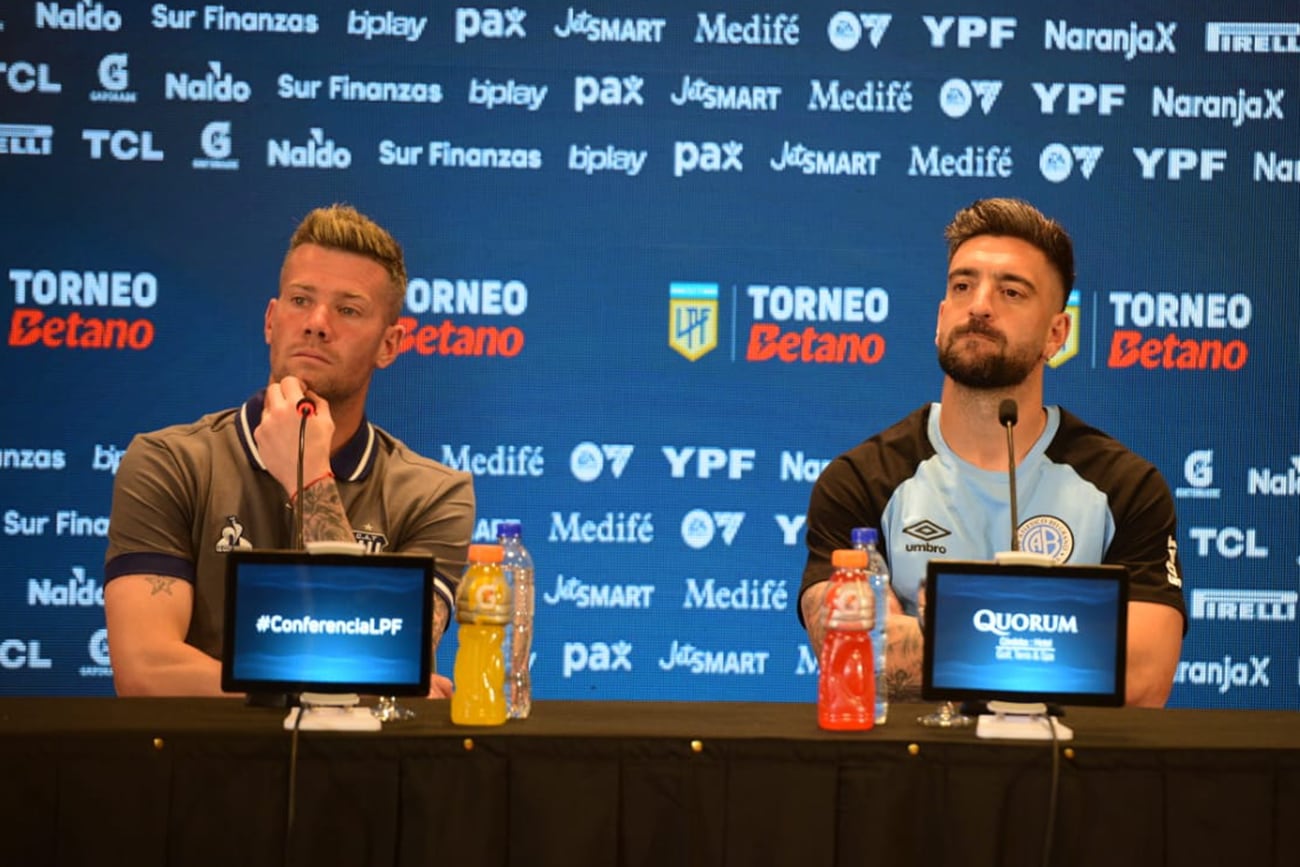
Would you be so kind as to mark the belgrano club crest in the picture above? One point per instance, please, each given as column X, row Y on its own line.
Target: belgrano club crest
column 693, row 318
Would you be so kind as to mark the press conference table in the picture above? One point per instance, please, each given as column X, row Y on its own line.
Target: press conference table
column 206, row 781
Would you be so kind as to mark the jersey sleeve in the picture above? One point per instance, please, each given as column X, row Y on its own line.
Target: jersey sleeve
column 151, row 516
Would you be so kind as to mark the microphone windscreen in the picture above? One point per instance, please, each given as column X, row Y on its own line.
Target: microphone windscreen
column 306, row 407
column 1008, row 412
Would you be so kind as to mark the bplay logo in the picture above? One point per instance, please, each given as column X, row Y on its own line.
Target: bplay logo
column 1058, row 161
column 216, row 144
column 957, row 95
column 114, row 79
column 846, row 29
column 368, row 25
column 588, row 460
column 1198, row 470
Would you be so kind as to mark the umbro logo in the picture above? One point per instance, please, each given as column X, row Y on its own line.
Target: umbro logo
column 926, row 530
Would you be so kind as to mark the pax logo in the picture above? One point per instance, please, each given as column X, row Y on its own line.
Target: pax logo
column 1198, row 470
column 123, row 144
column 971, row 29
column 1080, row 96
column 846, row 29
column 1205, row 162
column 588, row 461
column 707, row 460
column 707, row 156
column 957, row 95
column 700, row 527
column 1058, row 161
column 25, row 77
column 489, row 23
column 609, row 91
column 114, row 79
column 1229, row 543
column 598, row 656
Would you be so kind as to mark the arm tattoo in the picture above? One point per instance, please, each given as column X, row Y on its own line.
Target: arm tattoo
column 160, row 584
column 441, row 614
column 814, row 617
column 903, row 659
column 323, row 516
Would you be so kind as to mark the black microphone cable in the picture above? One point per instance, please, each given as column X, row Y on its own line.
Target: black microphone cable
column 1008, row 414
column 306, row 409
column 291, row 804
column 1055, row 785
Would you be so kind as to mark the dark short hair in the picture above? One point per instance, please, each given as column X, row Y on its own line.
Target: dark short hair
column 1016, row 219
column 344, row 228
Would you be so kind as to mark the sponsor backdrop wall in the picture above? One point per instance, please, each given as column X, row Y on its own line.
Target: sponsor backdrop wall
column 666, row 261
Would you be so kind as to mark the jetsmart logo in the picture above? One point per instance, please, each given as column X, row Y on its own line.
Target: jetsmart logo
column 748, row 594
column 114, row 79
column 619, row 528
column 595, row 28
column 846, row 29
column 81, row 16
column 768, row 341
column 584, row 595
column 42, row 288
column 1237, row 107
column 697, row 660
column 318, row 153
column 1240, row 37
column 1269, row 606
column 1184, row 311
column 761, row 28
column 216, row 85
column 726, row 97
column 1131, row 41
column 837, row 163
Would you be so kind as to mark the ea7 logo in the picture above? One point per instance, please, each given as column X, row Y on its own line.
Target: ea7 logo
column 700, row 526
column 587, row 460
column 1058, row 161
column 956, row 95
column 845, row 29
column 970, row 28
column 1207, row 162
column 1102, row 98
column 489, row 23
column 588, row 90
column 707, row 156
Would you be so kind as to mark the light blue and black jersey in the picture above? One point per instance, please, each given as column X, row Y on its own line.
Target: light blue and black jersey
column 1082, row 497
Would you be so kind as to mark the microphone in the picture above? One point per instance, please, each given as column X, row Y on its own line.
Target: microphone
column 306, row 407
column 1008, row 415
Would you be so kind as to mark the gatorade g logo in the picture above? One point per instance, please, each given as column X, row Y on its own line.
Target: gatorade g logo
column 1070, row 348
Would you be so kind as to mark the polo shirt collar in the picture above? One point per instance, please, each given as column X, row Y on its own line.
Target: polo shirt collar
column 352, row 463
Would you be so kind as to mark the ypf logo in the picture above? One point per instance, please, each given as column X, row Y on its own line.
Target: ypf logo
column 845, row 29
column 1070, row 347
column 957, row 95
column 693, row 318
column 1058, row 161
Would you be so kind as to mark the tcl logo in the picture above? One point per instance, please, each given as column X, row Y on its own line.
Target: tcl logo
column 123, row 144
column 24, row 77
column 16, row 653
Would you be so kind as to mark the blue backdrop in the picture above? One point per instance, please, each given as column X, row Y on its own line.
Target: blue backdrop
column 666, row 261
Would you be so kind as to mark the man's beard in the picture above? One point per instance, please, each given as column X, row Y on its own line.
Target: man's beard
column 1001, row 369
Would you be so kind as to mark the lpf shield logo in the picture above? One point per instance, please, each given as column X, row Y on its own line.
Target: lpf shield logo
column 1070, row 348
column 693, row 318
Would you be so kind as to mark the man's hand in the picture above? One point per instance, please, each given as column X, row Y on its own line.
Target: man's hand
column 439, row 686
column 277, row 434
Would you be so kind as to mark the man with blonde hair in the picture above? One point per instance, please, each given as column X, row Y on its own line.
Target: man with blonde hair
column 186, row 495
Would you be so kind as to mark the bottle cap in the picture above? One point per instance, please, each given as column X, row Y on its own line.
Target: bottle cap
column 509, row 528
column 864, row 536
column 849, row 558
column 485, row 553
